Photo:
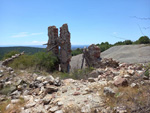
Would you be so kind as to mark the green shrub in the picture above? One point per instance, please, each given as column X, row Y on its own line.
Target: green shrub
column 76, row 52
column 104, row 46
column 41, row 61
column 23, row 62
column 119, row 43
column 144, row 40
column 147, row 73
column 10, row 54
column 45, row 61
column 128, row 42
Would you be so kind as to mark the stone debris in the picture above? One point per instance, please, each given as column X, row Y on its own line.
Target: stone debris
column 49, row 94
column 53, row 109
column 109, row 91
column 121, row 82
column 120, row 109
column 134, row 85
column 91, row 79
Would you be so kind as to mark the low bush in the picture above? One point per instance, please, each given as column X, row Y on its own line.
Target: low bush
column 76, row 52
column 144, row 40
column 23, row 62
column 45, row 61
column 38, row 61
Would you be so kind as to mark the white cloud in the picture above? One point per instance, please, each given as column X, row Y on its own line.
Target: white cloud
column 36, row 33
column 114, row 33
column 38, row 42
column 25, row 34
column 22, row 34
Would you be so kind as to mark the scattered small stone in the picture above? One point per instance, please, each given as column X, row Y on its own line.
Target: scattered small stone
column 15, row 101
column 29, row 105
column 47, row 107
column 109, row 91
column 51, row 89
column 41, row 78
column 126, row 76
column 86, row 109
column 53, row 109
column 64, row 90
column 60, row 103
column 47, row 99
column 134, row 85
column 121, row 109
column 1, row 71
column 59, row 111
column 57, row 82
column 8, row 83
column 9, row 69
column 131, row 72
column 91, row 79
column 9, row 106
column 120, row 82
column 76, row 93
column 19, row 88
column 146, row 77
column 1, row 75
column 50, row 79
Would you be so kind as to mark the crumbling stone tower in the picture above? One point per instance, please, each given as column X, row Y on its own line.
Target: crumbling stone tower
column 65, row 48
column 52, row 42
column 92, row 56
column 63, row 42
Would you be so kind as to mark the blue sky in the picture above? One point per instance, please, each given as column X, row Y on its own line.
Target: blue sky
column 25, row 22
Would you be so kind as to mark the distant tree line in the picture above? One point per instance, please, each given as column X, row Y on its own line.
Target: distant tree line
column 142, row 40
column 28, row 50
column 104, row 46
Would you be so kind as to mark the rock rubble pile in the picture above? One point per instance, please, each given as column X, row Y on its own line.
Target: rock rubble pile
column 46, row 94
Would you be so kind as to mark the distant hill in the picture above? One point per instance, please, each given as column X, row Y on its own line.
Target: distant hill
column 28, row 50
column 73, row 47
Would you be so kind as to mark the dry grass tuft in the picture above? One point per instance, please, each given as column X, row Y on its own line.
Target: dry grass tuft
column 15, row 109
column 134, row 99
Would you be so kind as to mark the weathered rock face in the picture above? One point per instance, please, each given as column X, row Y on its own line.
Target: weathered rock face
column 65, row 50
column 92, row 55
column 63, row 42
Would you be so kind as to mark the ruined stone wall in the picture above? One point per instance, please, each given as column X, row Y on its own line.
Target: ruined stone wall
column 8, row 60
column 52, row 42
column 92, row 56
column 93, row 59
column 63, row 41
column 65, row 50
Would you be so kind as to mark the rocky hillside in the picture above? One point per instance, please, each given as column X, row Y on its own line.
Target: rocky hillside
column 107, row 90
column 128, row 53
